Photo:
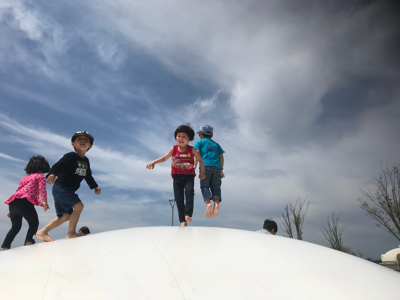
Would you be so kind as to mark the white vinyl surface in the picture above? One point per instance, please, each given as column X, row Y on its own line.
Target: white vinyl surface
column 189, row 263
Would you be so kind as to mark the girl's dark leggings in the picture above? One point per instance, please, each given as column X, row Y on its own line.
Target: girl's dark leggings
column 21, row 208
column 184, row 188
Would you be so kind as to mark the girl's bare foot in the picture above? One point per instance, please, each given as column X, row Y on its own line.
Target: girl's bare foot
column 208, row 210
column 6, row 249
column 43, row 236
column 73, row 235
column 188, row 219
column 183, row 224
column 215, row 210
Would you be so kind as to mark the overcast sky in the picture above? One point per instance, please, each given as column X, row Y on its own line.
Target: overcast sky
column 303, row 97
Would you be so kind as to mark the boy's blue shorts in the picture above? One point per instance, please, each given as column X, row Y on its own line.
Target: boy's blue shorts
column 64, row 199
column 211, row 185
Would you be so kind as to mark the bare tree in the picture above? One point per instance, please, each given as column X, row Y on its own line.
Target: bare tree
column 382, row 204
column 332, row 229
column 286, row 221
column 296, row 215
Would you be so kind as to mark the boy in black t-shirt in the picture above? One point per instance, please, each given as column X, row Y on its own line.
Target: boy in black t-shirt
column 70, row 170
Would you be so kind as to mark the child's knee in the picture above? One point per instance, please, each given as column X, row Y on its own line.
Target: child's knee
column 34, row 224
column 16, row 228
column 79, row 206
column 64, row 217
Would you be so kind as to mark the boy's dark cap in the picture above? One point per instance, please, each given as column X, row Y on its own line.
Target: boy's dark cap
column 206, row 129
column 82, row 133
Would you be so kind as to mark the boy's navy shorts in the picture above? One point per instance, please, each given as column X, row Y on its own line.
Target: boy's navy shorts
column 64, row 199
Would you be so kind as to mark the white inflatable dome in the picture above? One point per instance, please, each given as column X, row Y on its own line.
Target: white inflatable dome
column 390, row 256
column 189, row 263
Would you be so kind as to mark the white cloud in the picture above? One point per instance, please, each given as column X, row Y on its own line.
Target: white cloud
column 5, row 156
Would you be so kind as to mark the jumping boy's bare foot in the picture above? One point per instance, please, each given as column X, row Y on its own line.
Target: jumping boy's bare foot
column 43, row 236
column 188, row 219
column 208, row 210
column 183, row 224
column 6, row 249
column 74, row 235
column 215, row 210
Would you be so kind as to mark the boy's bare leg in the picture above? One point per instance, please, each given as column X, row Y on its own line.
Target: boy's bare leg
column 208, row 209
column 73, row 221
column 216, row 208
column 28, row 243
column 43, row 233
column 183, row 224
column 188, row 219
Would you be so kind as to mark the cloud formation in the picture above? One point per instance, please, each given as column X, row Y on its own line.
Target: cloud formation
column 303, row 98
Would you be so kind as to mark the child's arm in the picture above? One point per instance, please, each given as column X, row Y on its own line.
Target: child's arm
column 195, row 159
column 97, row 190
column 43, row 192
column 50, row 179
column 160, row 160
column 221, row 160
column 45, row 204
column 202, row 173
column 56, row 169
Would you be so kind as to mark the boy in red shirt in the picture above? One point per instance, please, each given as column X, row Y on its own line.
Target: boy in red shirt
column 183, row 171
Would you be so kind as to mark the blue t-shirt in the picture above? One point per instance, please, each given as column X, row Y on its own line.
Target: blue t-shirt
column 209, row 151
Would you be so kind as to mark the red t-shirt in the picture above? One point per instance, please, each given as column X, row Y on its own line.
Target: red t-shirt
column 182, row 162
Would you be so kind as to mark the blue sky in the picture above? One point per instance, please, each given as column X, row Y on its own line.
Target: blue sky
column 304, row 99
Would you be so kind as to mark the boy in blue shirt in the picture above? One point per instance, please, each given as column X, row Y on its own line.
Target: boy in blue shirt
column 213, row 158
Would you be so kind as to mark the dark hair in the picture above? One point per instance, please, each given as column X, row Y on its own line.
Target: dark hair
column 269, row 225
column 37, row 164
column 185, row 129
column 85, row 230
column 207, row 136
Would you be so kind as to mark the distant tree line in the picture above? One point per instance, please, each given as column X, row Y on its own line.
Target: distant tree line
column 381, row 203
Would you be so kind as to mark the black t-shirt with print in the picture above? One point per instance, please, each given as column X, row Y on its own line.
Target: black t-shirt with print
column 71, row 169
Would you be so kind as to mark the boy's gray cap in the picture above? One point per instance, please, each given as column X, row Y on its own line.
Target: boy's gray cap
column 206, row 129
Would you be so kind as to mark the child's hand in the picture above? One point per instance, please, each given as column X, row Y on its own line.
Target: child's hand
column 202, row 176
column 45, row 205
column 150, row 165
column 97, row 191
column 50, row 179
column 222, row 174
column 8, row 215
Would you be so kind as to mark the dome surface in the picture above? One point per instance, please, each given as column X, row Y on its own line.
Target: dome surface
column 189, row 263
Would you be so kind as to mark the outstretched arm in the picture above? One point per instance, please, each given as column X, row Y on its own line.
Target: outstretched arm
column 160, row 160
column 202, row 173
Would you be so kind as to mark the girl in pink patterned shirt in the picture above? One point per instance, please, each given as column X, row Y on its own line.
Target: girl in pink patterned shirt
column 22, row 202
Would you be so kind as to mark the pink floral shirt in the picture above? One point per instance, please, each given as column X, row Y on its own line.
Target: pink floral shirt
column 30, row 187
